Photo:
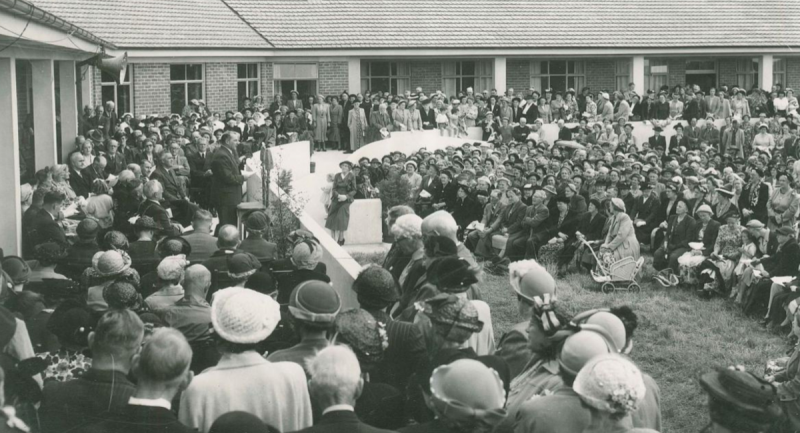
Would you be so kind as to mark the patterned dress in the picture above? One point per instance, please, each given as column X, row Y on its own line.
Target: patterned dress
column 65, row 365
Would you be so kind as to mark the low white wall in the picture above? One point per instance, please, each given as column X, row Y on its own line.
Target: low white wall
column 365, row 222
column 293, row 156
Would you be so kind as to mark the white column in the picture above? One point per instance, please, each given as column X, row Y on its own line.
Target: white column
column 11, row 219
column 354, row 75
column 765, row 71
column 500, row 75
column 87, row 87
column 69, row 106
column 44, row 113
column 637, row 74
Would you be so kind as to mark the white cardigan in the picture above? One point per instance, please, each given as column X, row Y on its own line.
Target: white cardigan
column 275, row 392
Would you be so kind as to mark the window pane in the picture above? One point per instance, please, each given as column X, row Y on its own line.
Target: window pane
column 129, row 74
column 545, row 67
column 252, row 70
column 570, row 67
column 108, row 94
column 558, row 67
column 307, row 88
column 449, row 86
column 380, row 69
column 467, row 68
column 536, row 84
column 381, row 84
column 466, row 82
column 105, row 77
column 402, row 69
column 536, row 69
column 283, row 70
column 364, row 69
column 393, row 84
column 403, row 84
column 177, row 97
column 241, row 71
column 777, row 78
column 394, row 68
column 177, row 72
column 124, row 103
column 194, row 72
column 448, row 69
column 241, row 91
column 558, row 82
column 253, row 88
column 195, row 90
column 778, row 65
column 580, row 67
column 305, row 70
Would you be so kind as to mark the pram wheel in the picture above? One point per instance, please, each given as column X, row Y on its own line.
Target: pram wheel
column 634, row 287
column 608, row 288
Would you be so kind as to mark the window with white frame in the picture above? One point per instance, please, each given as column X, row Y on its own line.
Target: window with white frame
column 559, row 75
column 186, row 82
column 458, row 75
column 779, row 72
column 622, row 75
column 392, row 77
column 119, row 93
column 247, row 81
column 747, row 72
column 656, row 73
column 300, row 77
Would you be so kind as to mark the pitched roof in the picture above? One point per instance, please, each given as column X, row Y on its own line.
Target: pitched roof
column 523, row 23
column 159, row 23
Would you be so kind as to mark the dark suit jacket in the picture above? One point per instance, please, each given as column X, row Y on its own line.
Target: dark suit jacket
column 198, row 165
column 168, row 179
column 115, row 164
column 157, row 212
column 427, row 116
column 226, row 182
column 449, row 196
column 709, row 235
column 81, row 185
column 90, row 174
column 341, row 421
column 535, row 218
column 140, row 419
column 785, row 261
column 659, row 141
column 647, row 211
column 434, row 189
column 511, row 217
column 662, row 214
column 760, row 209
column 466, row 211
column 530, row 112
column 45, row 228
column 674, row 143
column 568, row 226
column 592, row 226
column 679, row 234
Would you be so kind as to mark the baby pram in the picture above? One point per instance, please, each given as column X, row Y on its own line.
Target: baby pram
column 620, row 275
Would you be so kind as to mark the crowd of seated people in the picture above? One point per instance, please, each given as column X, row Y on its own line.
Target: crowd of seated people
column 128, row 312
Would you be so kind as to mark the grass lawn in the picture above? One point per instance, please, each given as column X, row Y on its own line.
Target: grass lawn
column 680, row 336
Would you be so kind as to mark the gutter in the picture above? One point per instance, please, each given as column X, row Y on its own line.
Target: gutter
column 31, row 12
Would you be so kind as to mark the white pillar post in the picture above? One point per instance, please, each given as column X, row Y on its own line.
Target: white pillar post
column 500, row 75
column 765, row 72
column 354, row 75
column 69, row 107
column 87, row 86
column 11, row 219
column 44, row 113
column 637, row 74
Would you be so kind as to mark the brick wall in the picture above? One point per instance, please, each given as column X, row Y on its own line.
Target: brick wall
column 333, row 77
column 600, row 74
column 426, row 74
column 677, row 72
column 726, row 72
column 518, row 75
column 793, row 74
column 97, row 88
column 221, row 88
column 267, row 81
column 151, row 84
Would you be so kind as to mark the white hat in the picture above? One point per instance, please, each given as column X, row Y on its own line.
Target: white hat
column 244, row 316
column 705, row 208
column 610, row 383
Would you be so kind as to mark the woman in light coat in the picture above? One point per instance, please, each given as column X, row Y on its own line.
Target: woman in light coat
column 321, row 120
column 401, row 117
column 357, row 124
column 621, row 239
column 414, row 116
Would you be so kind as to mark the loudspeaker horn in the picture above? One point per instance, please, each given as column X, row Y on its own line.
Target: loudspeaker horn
column 116, row 66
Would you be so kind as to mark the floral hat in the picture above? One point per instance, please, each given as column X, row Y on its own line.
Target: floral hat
column 610, row 383
column 365, row 335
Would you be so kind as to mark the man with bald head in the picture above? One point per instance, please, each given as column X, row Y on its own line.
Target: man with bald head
column 217, row 264
column 162, row 370
column 442, row 223
column 77, row 181
column 95, row 171
column 192, row 314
